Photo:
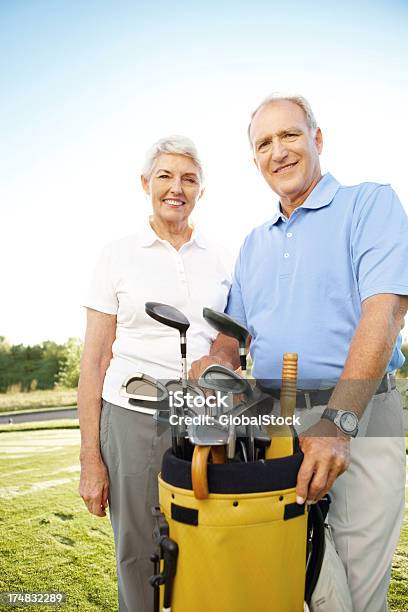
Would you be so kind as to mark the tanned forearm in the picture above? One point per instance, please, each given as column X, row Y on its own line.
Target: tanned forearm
column 89, row 404
column 370, row 351
column 100, row 334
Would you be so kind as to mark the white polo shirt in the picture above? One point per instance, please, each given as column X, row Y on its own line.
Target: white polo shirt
column 142, row 268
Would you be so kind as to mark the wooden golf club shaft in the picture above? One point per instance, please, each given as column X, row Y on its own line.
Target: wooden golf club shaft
column 289, row 380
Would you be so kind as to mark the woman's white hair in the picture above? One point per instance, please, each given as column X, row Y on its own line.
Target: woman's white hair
column 176, row 145
column 296, row 99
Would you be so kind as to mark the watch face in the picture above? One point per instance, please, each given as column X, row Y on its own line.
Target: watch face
column 348, row 421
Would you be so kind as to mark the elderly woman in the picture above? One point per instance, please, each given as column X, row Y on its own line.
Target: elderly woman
column 166, row 261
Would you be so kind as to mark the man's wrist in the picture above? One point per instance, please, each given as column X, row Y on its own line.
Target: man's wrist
column 346, row 421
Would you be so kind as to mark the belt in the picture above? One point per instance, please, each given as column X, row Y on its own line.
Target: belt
column 320, row 397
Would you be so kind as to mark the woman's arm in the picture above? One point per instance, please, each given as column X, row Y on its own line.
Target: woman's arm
column 97, row 353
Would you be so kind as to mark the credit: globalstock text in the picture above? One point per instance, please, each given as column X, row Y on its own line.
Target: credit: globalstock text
column 229, row 419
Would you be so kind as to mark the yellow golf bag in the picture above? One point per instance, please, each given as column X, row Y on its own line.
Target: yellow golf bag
column 248, row 547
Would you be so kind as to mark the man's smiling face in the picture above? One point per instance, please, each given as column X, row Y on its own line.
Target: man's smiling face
column 286, row 151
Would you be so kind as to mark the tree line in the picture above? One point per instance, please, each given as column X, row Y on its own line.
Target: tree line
column 49, row 365
column 42, row 366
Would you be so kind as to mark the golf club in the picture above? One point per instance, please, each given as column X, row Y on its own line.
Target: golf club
column 172, row 317
column 143, row 388
column 202, row 434
column 229, row 327
column 219, row 378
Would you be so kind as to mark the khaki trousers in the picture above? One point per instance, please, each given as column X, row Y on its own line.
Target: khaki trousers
column 132, row 447
column 368, row 500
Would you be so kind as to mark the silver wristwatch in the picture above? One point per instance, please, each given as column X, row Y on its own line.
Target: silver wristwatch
column 345, row 420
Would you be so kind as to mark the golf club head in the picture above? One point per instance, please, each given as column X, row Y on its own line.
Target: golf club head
column 207, row 434
column 225, row 324
column 168, row 315
column 228, row 326
column 219, row 378
column 144, row 388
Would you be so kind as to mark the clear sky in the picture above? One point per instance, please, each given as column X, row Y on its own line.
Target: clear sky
column 86, row 87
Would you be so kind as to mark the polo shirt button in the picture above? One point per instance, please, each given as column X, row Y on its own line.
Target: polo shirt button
column 286, row 255
column 289, row 234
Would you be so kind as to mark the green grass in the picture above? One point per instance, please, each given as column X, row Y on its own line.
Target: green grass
column 398, row 593
column 37, row 399
column 49, row 540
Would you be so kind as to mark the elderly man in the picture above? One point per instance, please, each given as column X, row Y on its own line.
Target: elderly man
column 327, row 277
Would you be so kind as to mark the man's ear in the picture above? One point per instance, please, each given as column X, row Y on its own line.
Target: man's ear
column 256, row 163
column 319, row 140
column 201, row 193
column 145, row 184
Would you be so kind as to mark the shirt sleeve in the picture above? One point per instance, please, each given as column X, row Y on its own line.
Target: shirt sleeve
column 380, row 245
column 235, row 305
column 101, row 294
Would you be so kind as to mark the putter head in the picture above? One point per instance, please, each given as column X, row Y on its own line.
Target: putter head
column 168, row 315
column 219, row 378
column 226, row 325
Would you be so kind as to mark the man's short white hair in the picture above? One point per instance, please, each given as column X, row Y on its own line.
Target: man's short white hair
column 296, row 99
column 176, row 145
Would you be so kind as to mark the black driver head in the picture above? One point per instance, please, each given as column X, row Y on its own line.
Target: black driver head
column 226, row 325
column 168, row 315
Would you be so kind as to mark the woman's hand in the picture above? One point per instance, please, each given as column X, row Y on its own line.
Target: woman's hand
column 94, row 484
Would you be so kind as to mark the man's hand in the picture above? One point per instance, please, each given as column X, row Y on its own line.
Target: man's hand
column 326, row 455
column 94, row 485
column 198, row 367
column 224, row 350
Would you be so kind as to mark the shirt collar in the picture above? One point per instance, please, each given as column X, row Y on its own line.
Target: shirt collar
column 322, row 195
column 148, row 236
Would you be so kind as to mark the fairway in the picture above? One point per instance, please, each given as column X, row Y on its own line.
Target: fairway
column 51, row 543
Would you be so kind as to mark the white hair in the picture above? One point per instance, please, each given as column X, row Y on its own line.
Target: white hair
column 296, row 99
column 176, row 145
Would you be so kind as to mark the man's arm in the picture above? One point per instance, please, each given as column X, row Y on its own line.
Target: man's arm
column 100, row 334
column 326, row 448
column 381, row 321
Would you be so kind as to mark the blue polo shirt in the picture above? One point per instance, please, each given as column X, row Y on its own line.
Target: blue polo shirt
column 299, row 282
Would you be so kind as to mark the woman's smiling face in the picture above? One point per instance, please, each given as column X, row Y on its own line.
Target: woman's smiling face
column 174, row 187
